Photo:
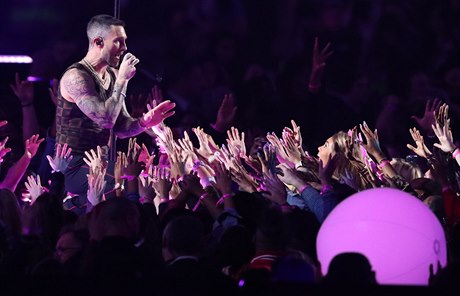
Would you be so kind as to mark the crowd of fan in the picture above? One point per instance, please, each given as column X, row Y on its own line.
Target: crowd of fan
column 232, row 204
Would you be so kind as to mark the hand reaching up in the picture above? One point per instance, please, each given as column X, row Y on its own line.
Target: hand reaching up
column 96, row 185
column 207, row 144
column 137, row 105
column 225, row 114
column 420, row 148
column 3, row 150
column 442, row 114
column 444, row 135
column 94, row 159
column 274, row 189
column 318, row 63
column 24, row 90
column 236, row 142
column 162, row 182
column 372, row 144
column 428, row 119
column 32, row 145
column 61, row 159
column 53, row 91
column 34, row 188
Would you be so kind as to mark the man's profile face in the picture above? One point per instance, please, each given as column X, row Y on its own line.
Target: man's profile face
column 114, row 45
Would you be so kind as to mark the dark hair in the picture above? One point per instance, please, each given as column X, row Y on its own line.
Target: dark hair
column 10, row 212
column 101, row 23
column 184, row 235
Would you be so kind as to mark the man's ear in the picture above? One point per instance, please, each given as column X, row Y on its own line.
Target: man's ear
column 99, row 41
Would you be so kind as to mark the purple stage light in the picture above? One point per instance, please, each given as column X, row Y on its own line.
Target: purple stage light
column 15, row 59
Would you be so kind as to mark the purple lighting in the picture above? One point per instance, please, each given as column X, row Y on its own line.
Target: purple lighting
column 15, row 59
column 399, row 235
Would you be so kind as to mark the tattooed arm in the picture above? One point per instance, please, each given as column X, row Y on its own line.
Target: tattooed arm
column 79, row 87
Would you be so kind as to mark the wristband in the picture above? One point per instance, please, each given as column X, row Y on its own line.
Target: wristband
column 27, row 104
column 203, row 196
column 301, row 189
column 455, row 153
column 326, row 188
column 221, row 200
column 383, row 163
column 128, row 178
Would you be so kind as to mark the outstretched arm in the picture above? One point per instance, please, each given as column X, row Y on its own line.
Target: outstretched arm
column 24, row 90
column 126, row 126
column 15, row 173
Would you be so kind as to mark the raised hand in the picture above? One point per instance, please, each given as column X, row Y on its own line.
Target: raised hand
column 420, row 148
column 207, row 144
column 279, row 149
column 372, row 144
column 223, row 178
column 96, row 185
column 428, row 119
column 191, row 183
column 94, row 159
column 24, row 90
column 157, row 114
column 53, row 91
column 293, row 151
column 61, row 159
column 162, row 181
column 226, row 113
column 318, row 63
column 442, row 114
column 444, row 135
column 236, row 142
column 146, row 157
column 156, row 95
column 146, row 190
column 288, row 175
column 187, row 146
column 32, row 145
column 274, row 189
column 137, row 105
column 134, row 151
column 34, row 188
column 120, row 164
column 3, row 150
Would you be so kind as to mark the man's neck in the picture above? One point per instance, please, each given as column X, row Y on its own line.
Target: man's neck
column 98, row 65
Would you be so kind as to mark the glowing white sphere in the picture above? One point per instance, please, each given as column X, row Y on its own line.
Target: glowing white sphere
column 397, row 232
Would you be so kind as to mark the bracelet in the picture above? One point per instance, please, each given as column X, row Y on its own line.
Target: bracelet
column 119, row 186
column 221, row 200
column 455, row 153
column 203, row 196
column 128, row 177
column 27, row 104
column 301, row 189
column 383, row 163
column 121, row 93
column 197, row 164
column 326, row 188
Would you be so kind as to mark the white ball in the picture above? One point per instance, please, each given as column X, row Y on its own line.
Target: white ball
column 397, row 232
